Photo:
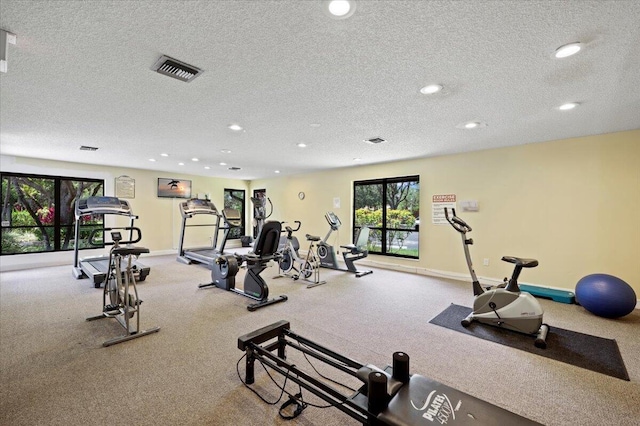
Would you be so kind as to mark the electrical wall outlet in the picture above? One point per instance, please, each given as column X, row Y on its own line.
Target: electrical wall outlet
column 485, row 262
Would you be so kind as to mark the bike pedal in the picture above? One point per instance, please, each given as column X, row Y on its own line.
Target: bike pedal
column 109, row 308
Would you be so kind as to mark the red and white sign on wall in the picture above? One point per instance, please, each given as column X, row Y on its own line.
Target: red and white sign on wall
column 438, row 203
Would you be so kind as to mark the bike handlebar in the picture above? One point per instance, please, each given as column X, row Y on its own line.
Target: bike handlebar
column 289, row 229
column 457, row 223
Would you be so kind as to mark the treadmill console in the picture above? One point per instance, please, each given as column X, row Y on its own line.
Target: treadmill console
column 116, row 236
column 102, row 205
column 333, row 220
column 196, row 206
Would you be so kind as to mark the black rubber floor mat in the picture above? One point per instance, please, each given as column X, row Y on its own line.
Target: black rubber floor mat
column 582, row 350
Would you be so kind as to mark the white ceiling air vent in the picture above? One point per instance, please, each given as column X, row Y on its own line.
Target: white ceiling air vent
column 176, row 69
column 374, row 140
column 88, row 148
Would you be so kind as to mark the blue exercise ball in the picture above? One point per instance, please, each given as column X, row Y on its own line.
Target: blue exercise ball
column 605, row 295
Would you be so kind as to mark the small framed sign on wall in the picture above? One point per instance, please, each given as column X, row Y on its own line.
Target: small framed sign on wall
column 174, row 188
column 125, row 187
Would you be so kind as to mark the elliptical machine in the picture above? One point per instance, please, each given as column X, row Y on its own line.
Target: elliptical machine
column 260, row 214
column 503, row 306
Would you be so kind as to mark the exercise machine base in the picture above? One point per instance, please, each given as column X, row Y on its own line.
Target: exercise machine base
column 389, row 396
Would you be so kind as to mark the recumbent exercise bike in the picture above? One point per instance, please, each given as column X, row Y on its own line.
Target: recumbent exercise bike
column 225, row 267
column 351, row 252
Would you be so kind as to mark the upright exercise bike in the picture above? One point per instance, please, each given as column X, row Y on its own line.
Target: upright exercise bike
column 292, row 265
column 120, row 297
column 503, row 306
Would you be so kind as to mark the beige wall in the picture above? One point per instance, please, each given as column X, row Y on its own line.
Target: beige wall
column 572, row 204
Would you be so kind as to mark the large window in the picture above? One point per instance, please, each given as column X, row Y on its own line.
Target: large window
column 234, row 199
column 391, row 209
column 38, row 212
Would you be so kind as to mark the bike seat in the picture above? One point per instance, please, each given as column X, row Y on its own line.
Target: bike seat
column 312, row 237
column 130, row 251
column 519, row 261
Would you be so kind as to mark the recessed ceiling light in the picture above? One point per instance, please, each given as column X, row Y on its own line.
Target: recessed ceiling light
column 302, row 145
column 180, row 164
column 340, row 9
column 568, row 106
column 235, row 127
column 277, row 171
column 207, row 167
column 223, row 164
column 225, row 151
column 164, row 155
column 195, row 159
column 568, row 50
column 473, row 124
column 152, row 159
column 357, row 159
column 431, row 89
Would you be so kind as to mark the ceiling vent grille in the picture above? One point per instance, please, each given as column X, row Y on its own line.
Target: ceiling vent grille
column 88, row 148
column 176, row 69
column 234, row 168
column 375, row 140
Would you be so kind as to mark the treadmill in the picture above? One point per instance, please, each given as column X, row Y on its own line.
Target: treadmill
column 97, row 267
column 206, row 255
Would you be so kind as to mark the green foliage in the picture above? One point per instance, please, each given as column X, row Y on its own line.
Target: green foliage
column 400, row 224
column 21, row 218
column 10, row 243
column 370, row 218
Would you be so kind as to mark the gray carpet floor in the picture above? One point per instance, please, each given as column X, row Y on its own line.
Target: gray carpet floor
column 54, row 370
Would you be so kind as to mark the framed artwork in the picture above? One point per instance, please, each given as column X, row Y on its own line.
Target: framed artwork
column 174, row 188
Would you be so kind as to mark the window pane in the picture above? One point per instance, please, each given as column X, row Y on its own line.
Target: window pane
column 27, row 240
column 235, row 199
column 403, row 201
column 70, row 192
column 38, row 211
column 391, row 208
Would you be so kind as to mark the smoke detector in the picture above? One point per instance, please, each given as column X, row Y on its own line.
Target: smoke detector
column 176, row 69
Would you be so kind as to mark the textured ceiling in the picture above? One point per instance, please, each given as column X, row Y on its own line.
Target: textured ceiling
column 80, row 74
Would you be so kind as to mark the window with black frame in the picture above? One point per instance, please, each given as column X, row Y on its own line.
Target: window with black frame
column 235, row 199
column 38, row 212
column 390, row 207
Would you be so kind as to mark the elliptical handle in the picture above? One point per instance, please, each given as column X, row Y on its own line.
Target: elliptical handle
column 457, row 223
column 299, row 225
